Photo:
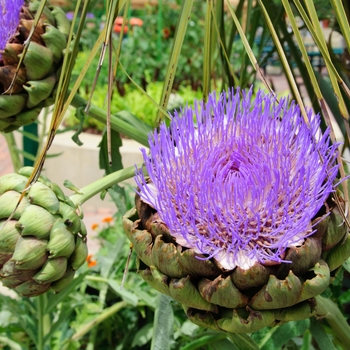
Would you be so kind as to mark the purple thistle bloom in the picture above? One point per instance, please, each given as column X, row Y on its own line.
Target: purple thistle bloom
column 243, row 182
column 9, row 20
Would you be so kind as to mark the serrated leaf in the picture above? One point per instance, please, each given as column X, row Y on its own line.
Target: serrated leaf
column 116, row 143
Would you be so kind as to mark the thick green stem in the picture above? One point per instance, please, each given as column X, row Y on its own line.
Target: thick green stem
column 11, row 144
column 102, row 184
column 40, row 306
column 116, row 123
column 327, row 309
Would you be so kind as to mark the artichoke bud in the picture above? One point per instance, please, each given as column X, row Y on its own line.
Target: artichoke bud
column 44, row 242
column 36, row 79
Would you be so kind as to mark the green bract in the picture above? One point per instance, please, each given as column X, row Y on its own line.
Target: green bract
column 238, row 301
column 44, row 242
column 37, row 76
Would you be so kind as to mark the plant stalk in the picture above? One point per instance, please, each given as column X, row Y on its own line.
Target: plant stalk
column 106, row 313
column 102, row 184
column 117, row 124
column 40, row 315
column 326, row 308
column 11, row 144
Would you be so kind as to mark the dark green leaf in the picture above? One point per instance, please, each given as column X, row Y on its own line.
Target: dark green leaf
column 57, row 298
column 81, row 116
column 321, row 337
column 280, row 335
column 243, row 342
column 116, row 142
column 143, row 336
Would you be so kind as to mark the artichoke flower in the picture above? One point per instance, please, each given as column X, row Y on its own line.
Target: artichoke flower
column 44, row 242
column 21, row 103
column 235, row 219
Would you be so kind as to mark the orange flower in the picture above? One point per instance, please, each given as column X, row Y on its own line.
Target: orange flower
column 107, row 219
column 91, row 262
column 94, row 226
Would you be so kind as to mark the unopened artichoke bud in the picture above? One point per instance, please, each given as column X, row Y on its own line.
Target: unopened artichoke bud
column 22, row 100
column 44, row 241
column 235, row 218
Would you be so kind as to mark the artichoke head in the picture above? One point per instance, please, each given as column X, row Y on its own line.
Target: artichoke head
column 44, row 242
column 240, row 300
column 35, row 81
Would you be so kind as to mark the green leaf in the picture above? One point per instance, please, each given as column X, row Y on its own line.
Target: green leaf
column 205, row 340
column 124, row 294
column 321, row 337
column 163, row 332
column 118, row 196
column 116, row 143
column 243, row 342
column 81, row 116
column 280, row 335
column 57, row 298
column 143, row 336
column 13, row 345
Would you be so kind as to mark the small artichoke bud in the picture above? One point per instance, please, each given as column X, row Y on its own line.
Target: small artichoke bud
column 22, row 100
column 44, row 242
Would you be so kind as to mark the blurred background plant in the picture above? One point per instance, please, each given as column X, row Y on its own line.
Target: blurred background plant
column 182, row 50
